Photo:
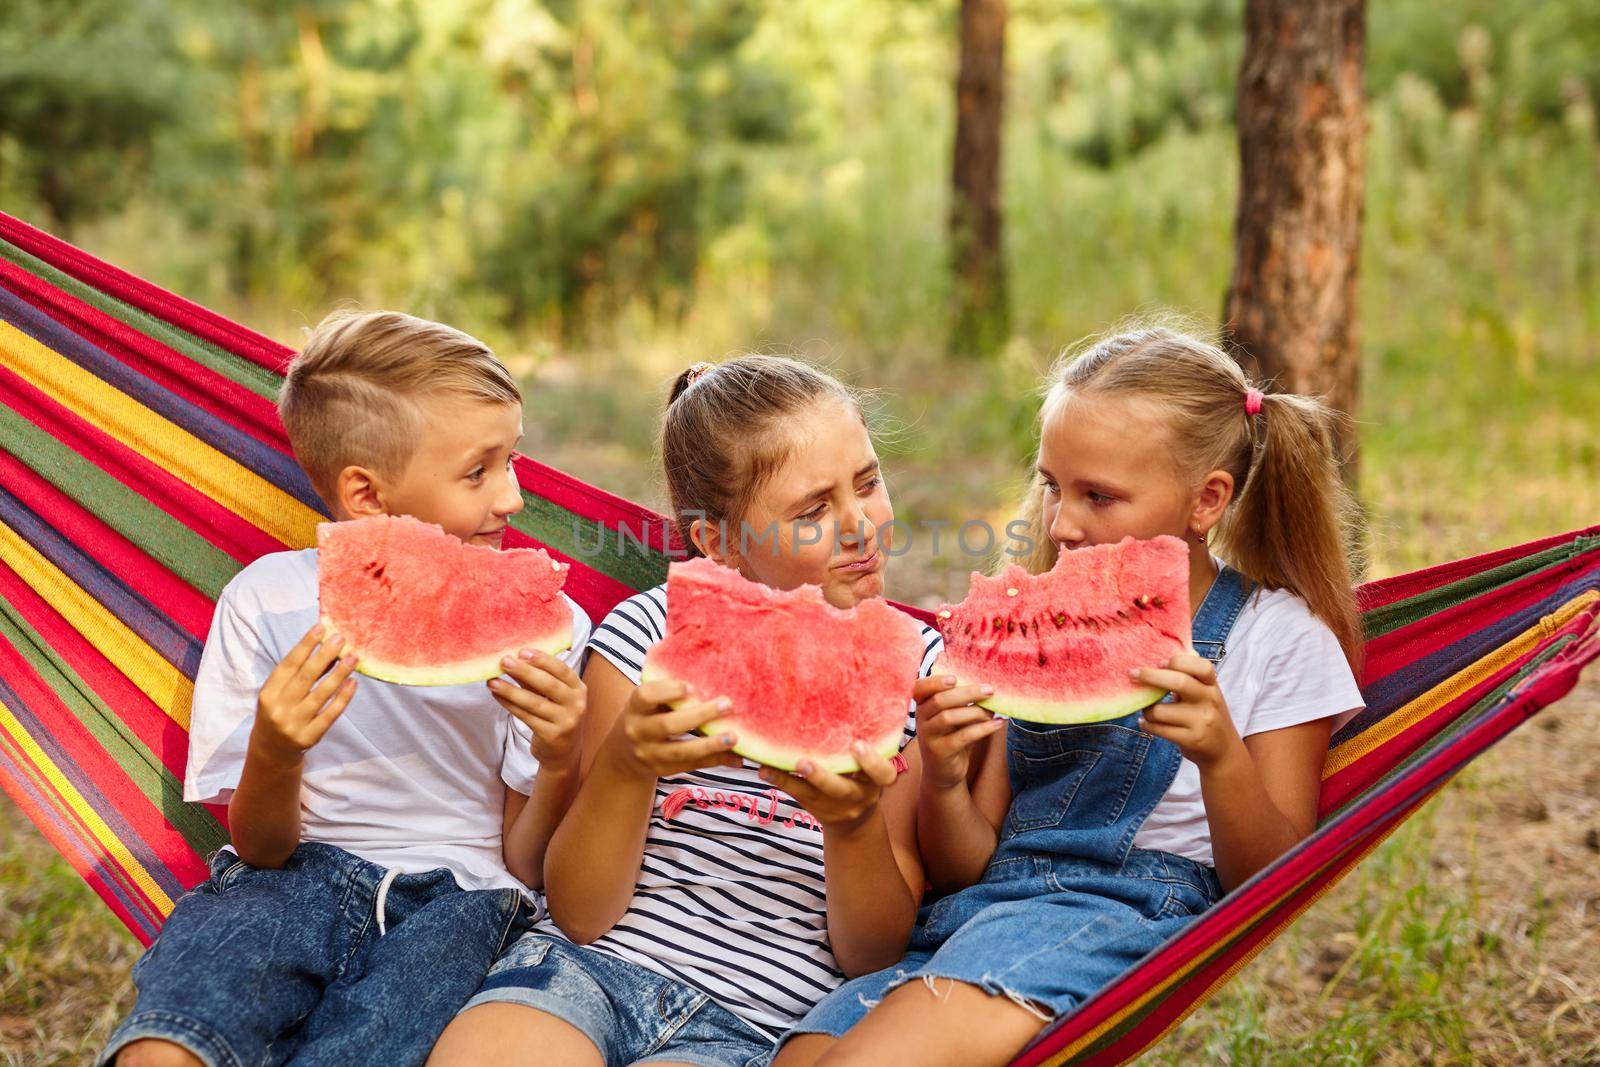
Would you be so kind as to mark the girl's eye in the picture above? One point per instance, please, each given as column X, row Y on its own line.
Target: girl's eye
column 1100, row 500
column 815, row 513
column 870, row 484
column 476, row 475
column 1051, row 488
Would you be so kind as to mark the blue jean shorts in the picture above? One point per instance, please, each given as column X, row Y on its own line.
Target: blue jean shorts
column 632, row 1014
column 1045, row 932
column 329, row 959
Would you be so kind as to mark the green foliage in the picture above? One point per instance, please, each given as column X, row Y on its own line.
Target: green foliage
column 84, row 88
column 740, row 171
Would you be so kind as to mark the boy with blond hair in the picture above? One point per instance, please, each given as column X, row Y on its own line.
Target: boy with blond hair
column 366, row 891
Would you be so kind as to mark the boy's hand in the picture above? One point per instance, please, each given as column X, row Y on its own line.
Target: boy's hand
column 949, row 723
column 648, row 735
column 1197, row 720
column 548, row 696
column 839, row 802
column 302, row 698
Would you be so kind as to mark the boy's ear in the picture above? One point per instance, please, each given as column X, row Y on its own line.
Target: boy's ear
column 1216, row 492
column 357, row 494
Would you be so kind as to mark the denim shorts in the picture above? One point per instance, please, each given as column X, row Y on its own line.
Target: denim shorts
column 1046, row 933
column 257, row 966
column 632, row 1014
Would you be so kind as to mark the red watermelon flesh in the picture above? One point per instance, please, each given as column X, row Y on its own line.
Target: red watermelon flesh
column 806, row 679
column 1057, row 647
column 422, row 607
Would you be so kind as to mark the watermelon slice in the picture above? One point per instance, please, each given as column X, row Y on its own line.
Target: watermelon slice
column 806, row 679
column 422, row 607
column 1057, row 647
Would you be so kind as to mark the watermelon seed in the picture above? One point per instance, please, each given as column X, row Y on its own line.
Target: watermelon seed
column 1011, row 592
column 1159, row 602
column 1041, row 658
column 1141, row 601
column 999, row 623
column 1061, row 619
column 944, row 614
column 1011, row 626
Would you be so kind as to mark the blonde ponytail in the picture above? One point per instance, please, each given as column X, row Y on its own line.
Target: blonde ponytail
column 1287, row 528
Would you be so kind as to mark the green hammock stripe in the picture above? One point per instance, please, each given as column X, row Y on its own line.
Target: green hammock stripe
column 600, row 549
column 162, row 537
column 1391, row 617
column 144, row 768
column 252, row 376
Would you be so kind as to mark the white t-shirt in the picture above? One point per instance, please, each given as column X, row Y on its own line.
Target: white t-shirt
column 1283, row 667
column 730, row 897
column 409, row 777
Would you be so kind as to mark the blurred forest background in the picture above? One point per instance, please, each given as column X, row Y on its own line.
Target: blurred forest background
column 608, row 190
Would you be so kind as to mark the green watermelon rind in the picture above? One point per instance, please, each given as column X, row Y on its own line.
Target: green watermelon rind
column 461, row 672
column 1069, row 712
column 767, row 753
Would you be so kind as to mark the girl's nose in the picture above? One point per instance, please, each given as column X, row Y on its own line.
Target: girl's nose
column 855, row 527
column 1063, row 530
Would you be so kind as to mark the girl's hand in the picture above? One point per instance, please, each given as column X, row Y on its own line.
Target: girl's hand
column 648, row 737
column 302, row 697
column 949, row 723
column 838, row 802
column 548, row 696
column 1197, row 720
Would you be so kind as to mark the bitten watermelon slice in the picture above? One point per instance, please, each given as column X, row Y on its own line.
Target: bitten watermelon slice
column 806, row 679
column 422, row 607
column 1057, row 647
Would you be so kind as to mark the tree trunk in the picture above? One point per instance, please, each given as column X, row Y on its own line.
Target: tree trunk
column 981, row 315
column 1292, row 305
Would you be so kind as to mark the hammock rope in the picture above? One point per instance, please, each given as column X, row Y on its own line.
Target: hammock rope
column 142, row 465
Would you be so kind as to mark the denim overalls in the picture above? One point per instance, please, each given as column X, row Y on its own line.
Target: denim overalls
column 1067, row 903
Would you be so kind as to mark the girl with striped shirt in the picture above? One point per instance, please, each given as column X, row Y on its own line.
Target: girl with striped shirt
column 701, row 904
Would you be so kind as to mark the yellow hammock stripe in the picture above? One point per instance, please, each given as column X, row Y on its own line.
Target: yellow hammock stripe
column 163, row 683
column 108, row 841
column 1414, row 712
column 164, row 443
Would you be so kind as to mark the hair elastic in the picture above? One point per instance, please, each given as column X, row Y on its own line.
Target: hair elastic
column 697, row 372
column 1252, row 401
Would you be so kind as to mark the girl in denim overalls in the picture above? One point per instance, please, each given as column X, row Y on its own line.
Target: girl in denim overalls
column 1069, row 852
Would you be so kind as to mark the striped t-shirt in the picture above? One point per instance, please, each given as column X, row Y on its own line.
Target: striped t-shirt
column 730, row 894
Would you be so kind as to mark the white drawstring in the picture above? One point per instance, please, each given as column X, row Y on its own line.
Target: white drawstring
column 383, row 895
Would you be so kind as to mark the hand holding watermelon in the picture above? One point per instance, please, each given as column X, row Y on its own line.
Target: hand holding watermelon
column 302, row 697
column 949, row 723
column 548, row 697
column 1197, row 720
column 838, row 802
column 649, row 737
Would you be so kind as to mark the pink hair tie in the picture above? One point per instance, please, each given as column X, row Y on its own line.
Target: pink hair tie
column 697, row 372
column 1252, row 401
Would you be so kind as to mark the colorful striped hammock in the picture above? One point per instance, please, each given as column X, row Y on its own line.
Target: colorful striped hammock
column 142, row 464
